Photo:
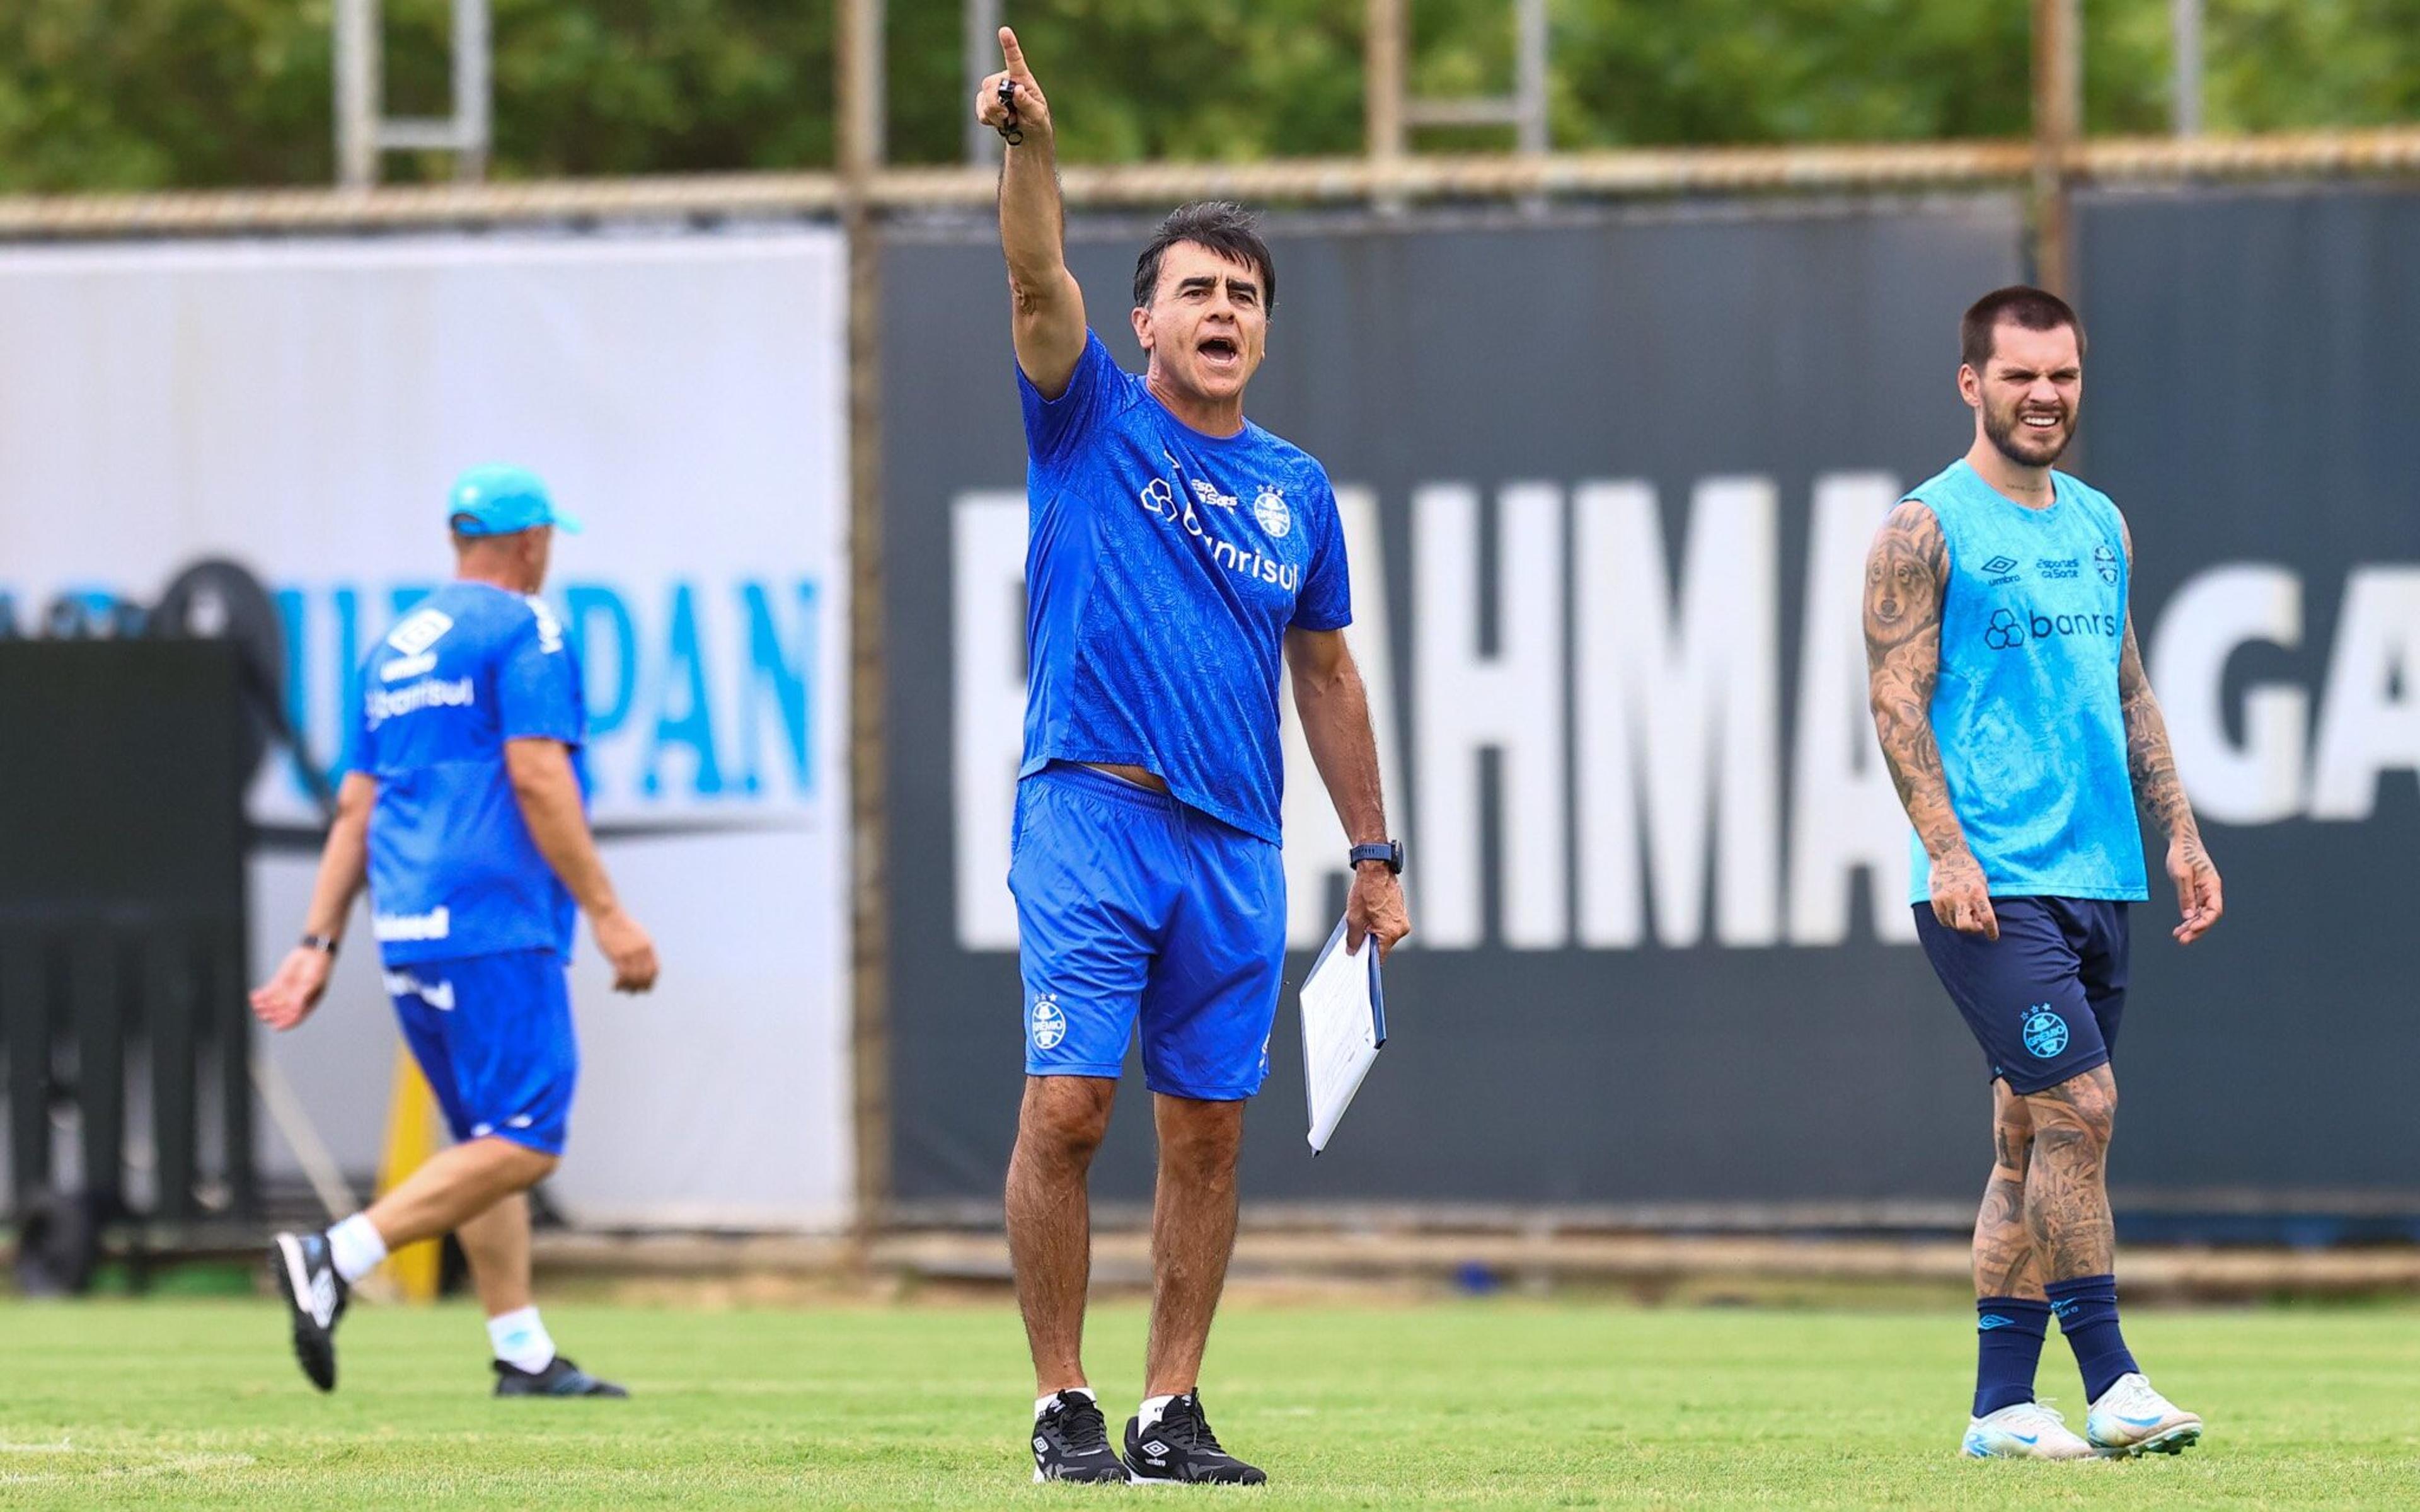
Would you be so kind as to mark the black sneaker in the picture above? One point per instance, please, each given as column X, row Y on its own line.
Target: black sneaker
column 560, row 1377
column 315, row 1294
column 1181, row 1447
column 1071, row 1441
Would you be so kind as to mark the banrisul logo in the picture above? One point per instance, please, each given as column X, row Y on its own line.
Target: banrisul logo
column 2046, row 1032
column 2009, row 628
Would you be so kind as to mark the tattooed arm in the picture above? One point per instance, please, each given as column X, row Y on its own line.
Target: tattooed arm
column 2153, row 767
column 1906, row 574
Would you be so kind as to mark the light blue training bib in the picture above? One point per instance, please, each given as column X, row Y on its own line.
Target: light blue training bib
column 2033, row 738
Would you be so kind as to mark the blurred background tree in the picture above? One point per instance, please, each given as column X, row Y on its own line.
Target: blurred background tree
column 141, row 94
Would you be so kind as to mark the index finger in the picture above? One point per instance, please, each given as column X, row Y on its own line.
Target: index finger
column 1014, row 53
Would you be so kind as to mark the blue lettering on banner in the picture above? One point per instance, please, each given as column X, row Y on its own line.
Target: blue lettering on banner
column 582, row 603
column 717, row 700
column 695, row 727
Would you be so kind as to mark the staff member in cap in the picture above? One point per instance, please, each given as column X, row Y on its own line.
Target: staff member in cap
column 464, row 806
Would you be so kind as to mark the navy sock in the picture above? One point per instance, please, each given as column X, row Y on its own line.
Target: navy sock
column 2008, row 1345
column 2088, row 1314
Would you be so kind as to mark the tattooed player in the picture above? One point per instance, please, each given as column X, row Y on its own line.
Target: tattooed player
column 2013, row 711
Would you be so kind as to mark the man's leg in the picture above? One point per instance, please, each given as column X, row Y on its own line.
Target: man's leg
column 497, row 1245
column 2067, row 1196
column 1192, row 1235
column 2011, row 1316
column 457, row 1186
column 2067, row 1212
column 1050, row 1218
column 2004, row 1249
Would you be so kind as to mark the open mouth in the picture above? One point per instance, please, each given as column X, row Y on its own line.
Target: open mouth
column 1219, row 348
column 2044, row 419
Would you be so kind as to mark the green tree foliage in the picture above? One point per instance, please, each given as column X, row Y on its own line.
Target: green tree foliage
column 134, row 94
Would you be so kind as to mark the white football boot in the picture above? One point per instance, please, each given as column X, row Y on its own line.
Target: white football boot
column 2023, row 1430
column 2132, row 1419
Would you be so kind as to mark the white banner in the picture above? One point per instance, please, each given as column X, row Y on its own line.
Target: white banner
column 300, row 407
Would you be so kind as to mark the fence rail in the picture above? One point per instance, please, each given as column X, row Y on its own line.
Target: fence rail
column 1624, row 173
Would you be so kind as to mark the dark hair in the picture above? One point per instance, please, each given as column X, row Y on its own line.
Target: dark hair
column 2020, row 305
column 1223, row 227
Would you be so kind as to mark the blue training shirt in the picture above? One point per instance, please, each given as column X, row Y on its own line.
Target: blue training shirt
column 453, row 871
column 1163, row 569
column 2032, row 736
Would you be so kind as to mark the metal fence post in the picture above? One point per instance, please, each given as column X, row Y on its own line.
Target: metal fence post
column 858, row 63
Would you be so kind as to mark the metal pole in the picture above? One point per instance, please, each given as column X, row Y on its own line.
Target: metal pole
column 859, row 65
column 983, row 58
column 473, row 104
column 1529, row 85
column 1382, row 60
column 358, row 105
column 2059, row 110
column 2185, row 27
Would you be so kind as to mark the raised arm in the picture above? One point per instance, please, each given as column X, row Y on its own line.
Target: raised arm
column 2158, row 790
column 1049, row 306
column 1334, row 704
column 1906, row 573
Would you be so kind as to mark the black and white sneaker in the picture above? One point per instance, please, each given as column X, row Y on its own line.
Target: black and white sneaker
column 560, row 1377
column 1180, row 1447
column 306, row 1276
column 1071, row 1441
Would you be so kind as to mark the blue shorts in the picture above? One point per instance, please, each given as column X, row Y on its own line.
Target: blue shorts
column 1132, row 906
column 2046, row 997
column 492, row 1034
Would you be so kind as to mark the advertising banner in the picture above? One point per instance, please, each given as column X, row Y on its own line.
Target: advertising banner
column 300, row 408
column 1608, row 480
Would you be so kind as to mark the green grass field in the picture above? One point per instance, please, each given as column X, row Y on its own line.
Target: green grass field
column 1494, row 1403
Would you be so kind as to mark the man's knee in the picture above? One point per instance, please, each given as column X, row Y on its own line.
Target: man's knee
column 1065, row 1117
column 523, row 1166
column 2081, row 1111
column 1200, row 1141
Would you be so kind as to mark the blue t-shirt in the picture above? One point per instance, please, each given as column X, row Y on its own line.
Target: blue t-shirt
column 1163, row 570
column 2032, row 736
column 453, row 870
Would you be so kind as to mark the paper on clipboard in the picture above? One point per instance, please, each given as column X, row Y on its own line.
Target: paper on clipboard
column 1344, row 1024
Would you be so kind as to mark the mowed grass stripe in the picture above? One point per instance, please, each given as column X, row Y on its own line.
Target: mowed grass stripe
column 1503, row 1403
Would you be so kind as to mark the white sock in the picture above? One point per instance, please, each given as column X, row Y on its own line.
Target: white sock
column 355, row 1248
column 520, row 1339
column 1154, row 1408
column 1041, row 1404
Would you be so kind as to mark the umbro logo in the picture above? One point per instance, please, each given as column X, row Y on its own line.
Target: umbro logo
column 2000, row 564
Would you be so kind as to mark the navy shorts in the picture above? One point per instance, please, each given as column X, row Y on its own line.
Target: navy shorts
column 2046, row 997
column 492, row 1034
column 1132, row 908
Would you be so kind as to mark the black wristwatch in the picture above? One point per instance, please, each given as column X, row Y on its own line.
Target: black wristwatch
column 324, row 944
column 1388, row 851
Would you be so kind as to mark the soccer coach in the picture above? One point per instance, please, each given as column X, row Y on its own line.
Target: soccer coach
column 464, row 806
column 1175, row 551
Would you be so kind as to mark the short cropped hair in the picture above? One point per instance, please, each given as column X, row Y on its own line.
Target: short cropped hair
column 2020, row 305
column 1225, row 227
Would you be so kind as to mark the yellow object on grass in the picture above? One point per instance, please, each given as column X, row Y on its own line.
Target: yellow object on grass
column 411, row 1138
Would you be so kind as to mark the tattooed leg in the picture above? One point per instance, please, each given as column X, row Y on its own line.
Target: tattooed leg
column 2004, row 1247
column 2067, row 1199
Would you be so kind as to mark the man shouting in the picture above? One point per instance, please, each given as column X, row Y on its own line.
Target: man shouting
column 1177, row 551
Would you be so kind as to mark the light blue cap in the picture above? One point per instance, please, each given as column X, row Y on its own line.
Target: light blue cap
column 496, row 500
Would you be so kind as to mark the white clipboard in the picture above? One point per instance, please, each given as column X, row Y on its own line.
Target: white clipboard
column 1343, row 1028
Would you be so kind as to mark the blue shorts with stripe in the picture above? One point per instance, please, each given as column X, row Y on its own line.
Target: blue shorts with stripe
column 1133, row 909
column 492, row 1034
column 2045, row 999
